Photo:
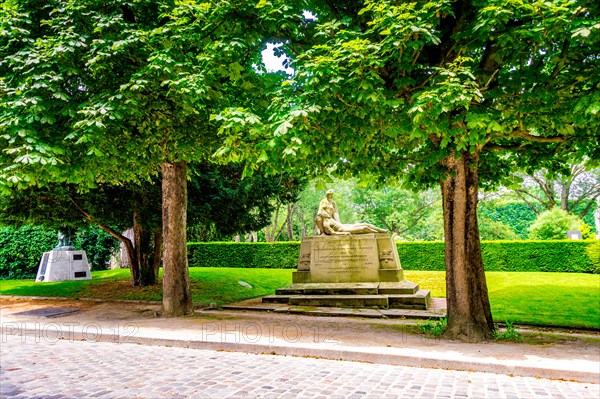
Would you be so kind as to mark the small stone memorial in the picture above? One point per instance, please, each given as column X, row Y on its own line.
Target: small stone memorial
column 64, row 262
column 349, row 265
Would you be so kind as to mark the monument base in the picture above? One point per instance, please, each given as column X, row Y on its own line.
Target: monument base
column 62, row 266
column 356, row 271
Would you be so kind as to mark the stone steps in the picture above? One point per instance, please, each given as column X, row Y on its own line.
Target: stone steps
column 343, row 301
column 396, row 295
column 396, row 288
column 330, row 289
column 420, row 300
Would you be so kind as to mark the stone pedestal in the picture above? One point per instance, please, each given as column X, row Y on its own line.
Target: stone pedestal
column 360, row 270
column 61, row 265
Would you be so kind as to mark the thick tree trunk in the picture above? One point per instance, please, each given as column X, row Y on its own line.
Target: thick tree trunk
column 177, row 299
column 469, row 313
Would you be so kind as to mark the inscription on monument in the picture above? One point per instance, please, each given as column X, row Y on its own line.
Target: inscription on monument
column 345, row 259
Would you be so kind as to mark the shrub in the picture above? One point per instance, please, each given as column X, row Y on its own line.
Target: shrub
column 97, row 245
column 21, row 250
column 593, row 252
column 553, row 225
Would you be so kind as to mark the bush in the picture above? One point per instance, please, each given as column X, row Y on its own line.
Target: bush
column 97, row 245
column 553, row 225
column 574, row 256
column 21, row 250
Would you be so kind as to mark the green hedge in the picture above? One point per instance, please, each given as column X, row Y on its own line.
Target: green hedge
column 514, row 256
column 21, row 250
column 269, row 255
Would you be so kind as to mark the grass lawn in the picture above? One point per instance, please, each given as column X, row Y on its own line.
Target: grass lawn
column 561, row 299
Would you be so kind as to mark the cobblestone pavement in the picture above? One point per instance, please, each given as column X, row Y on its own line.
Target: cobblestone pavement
column 46, row 369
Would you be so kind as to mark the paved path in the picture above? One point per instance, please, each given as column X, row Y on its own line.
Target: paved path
column 63, row 368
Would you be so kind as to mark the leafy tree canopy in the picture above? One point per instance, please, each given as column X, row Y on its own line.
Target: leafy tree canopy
column 106, row 91
column 397, row 88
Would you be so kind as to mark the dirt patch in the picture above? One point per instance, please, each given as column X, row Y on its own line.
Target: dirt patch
column 93, row 310
column 121, row 289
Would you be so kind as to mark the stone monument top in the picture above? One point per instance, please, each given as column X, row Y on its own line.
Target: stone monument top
column 328, row 220
column 65, row 240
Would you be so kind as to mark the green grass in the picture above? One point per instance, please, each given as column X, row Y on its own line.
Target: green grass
column 217, row 285
column 560, row 299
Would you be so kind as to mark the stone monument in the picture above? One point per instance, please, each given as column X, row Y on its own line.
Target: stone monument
column 349, row 265
column 64, row 262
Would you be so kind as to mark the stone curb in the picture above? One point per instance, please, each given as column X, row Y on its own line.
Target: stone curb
column 346, row 354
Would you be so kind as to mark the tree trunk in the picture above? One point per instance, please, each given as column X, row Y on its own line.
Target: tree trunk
column 564, row 195
column 145, row 251
column 157, row 256
column 133, row 261
column 469, row 313
column 289, row 221
column 177, row 300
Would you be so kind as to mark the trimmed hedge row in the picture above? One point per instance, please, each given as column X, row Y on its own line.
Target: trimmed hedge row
column 269, row 255
column 510, row 256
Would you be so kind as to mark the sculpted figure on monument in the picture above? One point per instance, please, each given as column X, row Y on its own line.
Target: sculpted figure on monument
column 328, row 220
column 65, row 240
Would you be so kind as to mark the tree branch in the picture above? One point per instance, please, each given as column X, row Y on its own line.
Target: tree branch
column 527, row 202
column 126, row 241
column 519, row 133
column 561, row 62
column 347, row 104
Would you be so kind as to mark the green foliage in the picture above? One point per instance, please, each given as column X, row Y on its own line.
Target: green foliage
column 21, row 250
column 553, row 225
column 428, row 255
column 221, row 203
column 518, row 256
column 434, row 327
column 509, row 333
column 523, row 256
column 593, row 252
column 517, row 215
column 494, row 230
column 97, row 245
column 272, row 255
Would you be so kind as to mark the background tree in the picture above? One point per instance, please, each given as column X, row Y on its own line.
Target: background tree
column 452, row 93
column 574, row 191
column 222, row 204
